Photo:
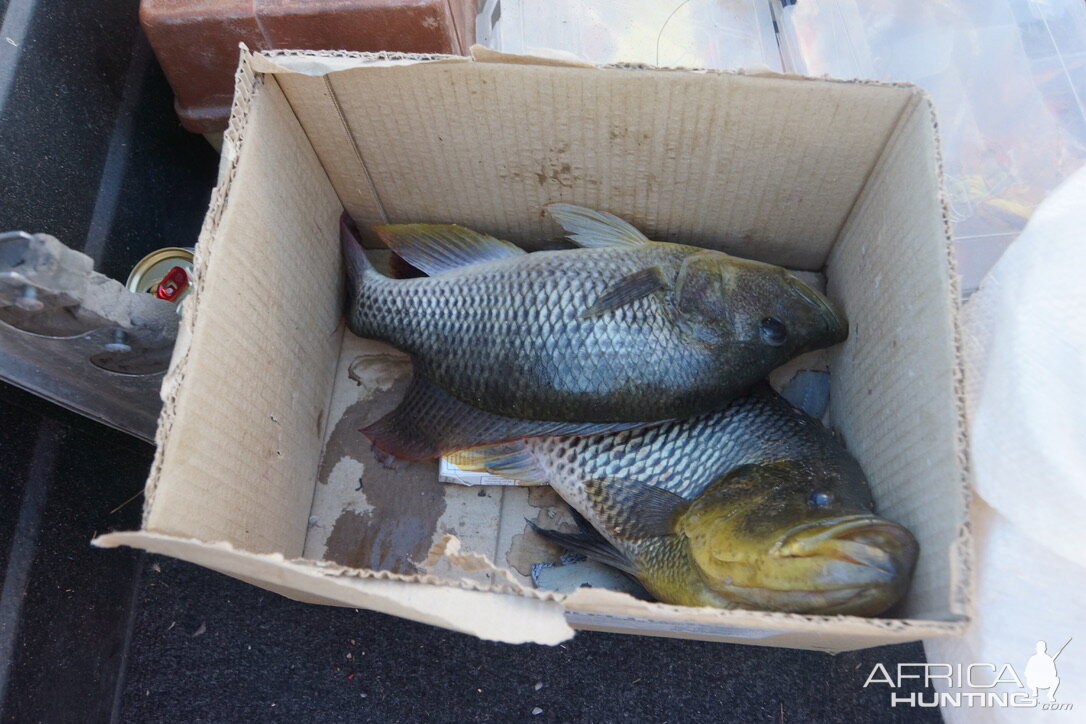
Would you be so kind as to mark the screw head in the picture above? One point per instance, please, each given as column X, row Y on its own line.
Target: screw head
column 119, row 342
column 28, row 300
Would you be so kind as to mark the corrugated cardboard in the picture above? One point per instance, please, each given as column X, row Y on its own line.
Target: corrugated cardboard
column 260, row 471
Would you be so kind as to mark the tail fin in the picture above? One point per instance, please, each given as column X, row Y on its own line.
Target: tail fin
column 354, row 259
column 357, row 267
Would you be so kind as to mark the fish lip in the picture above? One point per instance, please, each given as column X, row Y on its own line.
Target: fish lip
column 832, row 601
column 868, row 561
column 832, row 527
column 901, row 549
column 831, row 317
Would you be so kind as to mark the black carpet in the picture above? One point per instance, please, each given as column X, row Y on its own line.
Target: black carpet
column 209, row 648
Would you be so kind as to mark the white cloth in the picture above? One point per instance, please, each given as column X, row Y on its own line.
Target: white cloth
column 1025, row 355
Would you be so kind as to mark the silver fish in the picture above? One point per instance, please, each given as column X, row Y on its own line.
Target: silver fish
column 621, row 332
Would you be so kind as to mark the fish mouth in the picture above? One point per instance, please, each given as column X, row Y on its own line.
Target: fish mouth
column 864, row 540
column 854, row 565
column 836, row 325
column 868, row 557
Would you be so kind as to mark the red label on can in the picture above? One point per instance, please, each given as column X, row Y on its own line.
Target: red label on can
column 171, row 286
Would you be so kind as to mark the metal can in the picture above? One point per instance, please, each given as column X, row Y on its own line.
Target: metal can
column 165, row 273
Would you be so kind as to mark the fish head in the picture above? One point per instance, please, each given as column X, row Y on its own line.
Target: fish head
column 794, row 537
column 760, row 308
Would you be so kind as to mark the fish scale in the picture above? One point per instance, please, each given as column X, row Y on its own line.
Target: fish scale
column 753, row 506
column 499, row 334
column 683, row 457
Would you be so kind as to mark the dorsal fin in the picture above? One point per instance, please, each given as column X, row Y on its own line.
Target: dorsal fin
column 594, row 229
column 435, row 248
column 635, row 510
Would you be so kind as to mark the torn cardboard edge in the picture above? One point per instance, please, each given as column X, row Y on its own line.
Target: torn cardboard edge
column 510, row 615
column 598, row 604
column 486, row 613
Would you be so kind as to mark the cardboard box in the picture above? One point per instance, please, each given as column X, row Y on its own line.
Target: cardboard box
column 260, row 471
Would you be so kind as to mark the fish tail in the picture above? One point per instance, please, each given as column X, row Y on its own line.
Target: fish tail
column 354, row 259
column 361, row 279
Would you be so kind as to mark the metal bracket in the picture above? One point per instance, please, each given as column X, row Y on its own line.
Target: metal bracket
column 79, row 338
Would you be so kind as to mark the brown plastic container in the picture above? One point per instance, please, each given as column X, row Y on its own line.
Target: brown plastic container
column 196, row 41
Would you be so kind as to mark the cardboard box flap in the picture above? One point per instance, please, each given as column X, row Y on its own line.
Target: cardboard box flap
column 894, row 396
column 703, row 158
column 237, row 451
column 489, row 615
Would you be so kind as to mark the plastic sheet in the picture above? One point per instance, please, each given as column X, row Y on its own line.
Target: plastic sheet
column 1008, row 78
column 690, row 34
column 1025, row 356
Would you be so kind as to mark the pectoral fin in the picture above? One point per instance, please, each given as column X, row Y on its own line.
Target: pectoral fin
column 429, row 422
column 628, row 289
column 633, row 510
column 435, row 248
column 591, row 229
column 589, row 542
column 511, row 460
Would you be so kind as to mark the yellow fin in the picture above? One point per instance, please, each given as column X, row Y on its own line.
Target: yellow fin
column 590, row 228
column 435, row 248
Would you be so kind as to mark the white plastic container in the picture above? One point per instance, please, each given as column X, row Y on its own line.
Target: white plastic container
column 691, row 34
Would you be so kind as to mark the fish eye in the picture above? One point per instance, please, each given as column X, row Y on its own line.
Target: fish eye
column 773, row 331
column 820, row 498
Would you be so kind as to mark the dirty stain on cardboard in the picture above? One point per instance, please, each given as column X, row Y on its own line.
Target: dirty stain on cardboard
column 398, row 529
column 373, row 374
column 527, row 547
column 403, row 506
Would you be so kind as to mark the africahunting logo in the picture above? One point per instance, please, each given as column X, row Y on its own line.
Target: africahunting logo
column 988, row 685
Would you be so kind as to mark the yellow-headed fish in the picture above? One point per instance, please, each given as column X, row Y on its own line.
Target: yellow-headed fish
column 755, row 506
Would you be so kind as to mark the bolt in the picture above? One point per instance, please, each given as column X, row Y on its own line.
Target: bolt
column 118, row 342
column 28, row 300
